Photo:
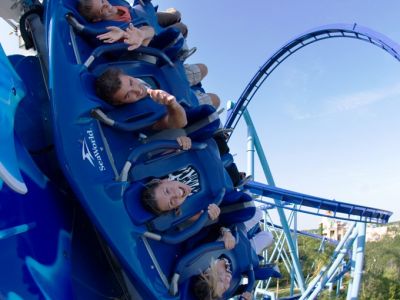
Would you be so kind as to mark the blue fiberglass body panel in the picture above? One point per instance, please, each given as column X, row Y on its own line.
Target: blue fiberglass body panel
column 83, row 156
column 12, row 91
column 49, row 248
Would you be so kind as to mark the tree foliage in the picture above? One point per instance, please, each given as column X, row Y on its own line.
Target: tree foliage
column 381, row 277
column 382, row 270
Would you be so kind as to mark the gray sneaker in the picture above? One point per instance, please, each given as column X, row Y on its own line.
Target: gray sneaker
column 184, row 54
column 243, row 181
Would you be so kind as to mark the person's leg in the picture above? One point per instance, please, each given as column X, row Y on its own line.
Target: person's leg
column 172, row 18
column 207, row 98
column 181, row 27
column 195, row 73
column 255, row 220
column 243, row 180
column 166, row 19
column 234, row 173
column 214, row 100
column 220, row 139
column 262, row 240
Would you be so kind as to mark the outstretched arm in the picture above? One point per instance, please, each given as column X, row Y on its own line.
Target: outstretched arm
column 114, row 34
column 176, row 115
column 136, row 37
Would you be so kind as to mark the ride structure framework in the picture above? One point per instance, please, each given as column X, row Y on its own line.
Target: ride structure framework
column 138, row 250
column 352, row 245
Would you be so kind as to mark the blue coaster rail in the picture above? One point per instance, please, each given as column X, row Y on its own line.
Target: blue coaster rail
column 354, row 31
column 303, row 203
column 340, row 210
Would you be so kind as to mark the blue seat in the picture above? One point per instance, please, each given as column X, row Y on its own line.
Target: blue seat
column 148, row 62
column 237, row 207
column 243, row 260
column 215, row 188
column 212, row 186
column 172, row 79
column 130, row 117
column 140, row 16
column 169, row 40
column 203, row 120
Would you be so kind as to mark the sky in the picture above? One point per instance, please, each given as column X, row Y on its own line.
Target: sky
column 328, row 116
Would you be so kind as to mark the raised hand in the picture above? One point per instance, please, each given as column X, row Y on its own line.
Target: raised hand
column 162, row 97
column 113, row 35
column 133, row 37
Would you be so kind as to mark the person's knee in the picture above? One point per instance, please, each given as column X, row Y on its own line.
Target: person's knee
column 203, row 70
column 214, row 100
column 262, row 240
column 267, row 237
column 174, row 12
column 182, row 28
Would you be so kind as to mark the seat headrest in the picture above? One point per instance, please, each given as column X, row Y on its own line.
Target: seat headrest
column 138, row 115
column 130, row 117
column 203, row 121
column 91, row 29
column 137, row 212
column 242, row 259
column 88, row 85
column 211, row 181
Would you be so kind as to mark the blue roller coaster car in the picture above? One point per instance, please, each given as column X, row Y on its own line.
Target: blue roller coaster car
column 73, row 168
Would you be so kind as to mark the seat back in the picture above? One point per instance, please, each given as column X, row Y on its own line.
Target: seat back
column 130, row 117
column 203, row 121
column 168, row 39
column 242, row 259
column 140, row 16
column 205, row 162
column 171, row 79
column 237, row 207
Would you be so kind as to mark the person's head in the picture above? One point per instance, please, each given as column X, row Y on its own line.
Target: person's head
column 96, row 10
column 164, row 195
column 115, row 87
column 214, row 282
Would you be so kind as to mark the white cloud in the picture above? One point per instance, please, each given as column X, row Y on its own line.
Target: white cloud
column 360, row 99
column 342, row 103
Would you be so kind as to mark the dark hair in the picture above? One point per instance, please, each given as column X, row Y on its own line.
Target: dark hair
column 108, row 83
column 85, row 8
column 148, row 196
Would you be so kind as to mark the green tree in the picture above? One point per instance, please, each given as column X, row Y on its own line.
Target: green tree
column 382, row 270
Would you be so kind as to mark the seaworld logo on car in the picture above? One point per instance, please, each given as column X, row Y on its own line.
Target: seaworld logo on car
column 93, row 152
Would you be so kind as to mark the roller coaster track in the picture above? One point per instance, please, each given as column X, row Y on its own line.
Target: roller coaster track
column 319, row 206
column 304, row 203
column 318, row 34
